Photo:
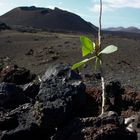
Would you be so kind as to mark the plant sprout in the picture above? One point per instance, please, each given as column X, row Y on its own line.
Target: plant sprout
column 89, row 47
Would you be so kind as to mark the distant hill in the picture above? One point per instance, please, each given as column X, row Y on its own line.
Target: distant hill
column 122, row 29
column 47, row 19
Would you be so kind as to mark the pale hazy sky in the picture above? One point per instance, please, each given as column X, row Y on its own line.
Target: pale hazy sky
column 115, row 12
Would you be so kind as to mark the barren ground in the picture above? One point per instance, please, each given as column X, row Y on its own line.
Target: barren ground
column 37, row 51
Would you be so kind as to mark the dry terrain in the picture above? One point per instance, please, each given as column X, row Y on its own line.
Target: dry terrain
column 39, row 50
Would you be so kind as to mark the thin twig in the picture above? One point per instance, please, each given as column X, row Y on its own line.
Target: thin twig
column 103, row 88
column 100, row 25
column 101, row 64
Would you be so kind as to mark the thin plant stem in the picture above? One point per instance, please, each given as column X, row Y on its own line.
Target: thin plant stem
column 100, row 25
column 101, row 63
column 103, row 88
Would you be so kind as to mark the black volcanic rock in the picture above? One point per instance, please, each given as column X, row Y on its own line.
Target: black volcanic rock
column 113, row 95
column 19, row 123
column 15, row 74
column 11, row 96
column 31, row 89
column 108, row 126
column 61, row 96
column 47, row 19
column 3, row 26
column 58, row 109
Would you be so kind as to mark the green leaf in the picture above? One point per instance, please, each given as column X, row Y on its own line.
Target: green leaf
column 87, row 45
column 109, row 49
column 77, row 65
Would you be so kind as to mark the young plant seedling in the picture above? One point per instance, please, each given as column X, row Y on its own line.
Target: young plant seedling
column 89, row 47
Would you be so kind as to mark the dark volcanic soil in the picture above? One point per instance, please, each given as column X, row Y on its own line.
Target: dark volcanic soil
column 36, row 51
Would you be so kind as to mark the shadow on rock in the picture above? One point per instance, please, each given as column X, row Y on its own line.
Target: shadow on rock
column 11, row 96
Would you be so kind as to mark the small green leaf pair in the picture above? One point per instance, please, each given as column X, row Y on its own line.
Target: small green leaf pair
column 89, row 47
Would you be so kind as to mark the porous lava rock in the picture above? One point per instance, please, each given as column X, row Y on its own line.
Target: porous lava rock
column 15, row 74
column 113, row 95
column 19, row 123
column 61, row 107
column 108, row 126
column 62, row 94
column 11, row 96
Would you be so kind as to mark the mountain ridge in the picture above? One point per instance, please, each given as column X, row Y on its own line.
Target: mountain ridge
column 130, row 29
